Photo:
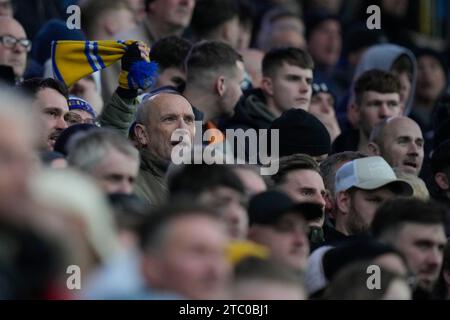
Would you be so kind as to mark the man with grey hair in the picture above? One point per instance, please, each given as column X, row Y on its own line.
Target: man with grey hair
column 14, row 46
column 400, row 142
column 108, row 157
column 157, row 118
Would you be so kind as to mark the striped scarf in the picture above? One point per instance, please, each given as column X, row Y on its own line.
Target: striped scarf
column 73, row 60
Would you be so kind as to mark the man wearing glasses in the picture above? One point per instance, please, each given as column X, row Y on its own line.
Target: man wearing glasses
column 14, row 46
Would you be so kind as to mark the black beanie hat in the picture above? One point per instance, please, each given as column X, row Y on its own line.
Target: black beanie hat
column 62, row 143
column 360, row 248
column 301, row 132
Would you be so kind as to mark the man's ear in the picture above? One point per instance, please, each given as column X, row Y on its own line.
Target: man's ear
column 442, row 181
column 220, row 86
column 141, row 135
column 343, row 202
column 374, row 149
column 267, row 86
column 329, row 205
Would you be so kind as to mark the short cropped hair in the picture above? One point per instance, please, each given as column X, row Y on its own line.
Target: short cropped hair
column 294, row 162
column 351, row 283
column 395, row 213
column 87, row 151
column 209, row 15
column 32, row 86
column 275, row 58
column 210, row 57
column 91, row 10
column 403, row 64
column 195, row 179
column 152, row 232
column 378, row 81
column 170, row 52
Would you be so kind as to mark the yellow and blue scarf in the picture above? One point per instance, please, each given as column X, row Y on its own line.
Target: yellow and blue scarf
column 73, row 60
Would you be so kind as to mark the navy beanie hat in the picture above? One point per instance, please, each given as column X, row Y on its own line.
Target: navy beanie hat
column 53, row 30
column 301, row 132
column 64, row 139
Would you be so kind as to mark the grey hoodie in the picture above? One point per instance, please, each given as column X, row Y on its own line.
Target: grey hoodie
column 382, row 56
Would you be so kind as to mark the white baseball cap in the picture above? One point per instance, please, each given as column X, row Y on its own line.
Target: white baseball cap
column 369, row 173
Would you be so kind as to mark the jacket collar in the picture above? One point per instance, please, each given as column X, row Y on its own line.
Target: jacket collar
column 150, row 162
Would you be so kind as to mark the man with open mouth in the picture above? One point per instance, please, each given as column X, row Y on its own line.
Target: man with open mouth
column 400, row 142
column 49, row 98
column 157, row 119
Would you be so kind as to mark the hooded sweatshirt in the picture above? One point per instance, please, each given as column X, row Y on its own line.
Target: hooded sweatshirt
column 382, row 57
column 250, row 112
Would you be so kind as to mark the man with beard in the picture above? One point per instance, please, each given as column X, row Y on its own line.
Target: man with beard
column 50, row 104
column 416, row 229
column 361, row 186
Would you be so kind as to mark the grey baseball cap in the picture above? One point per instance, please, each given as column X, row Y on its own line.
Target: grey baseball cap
column 369, row 174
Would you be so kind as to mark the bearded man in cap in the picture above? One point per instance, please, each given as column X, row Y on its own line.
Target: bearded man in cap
column 361, row 186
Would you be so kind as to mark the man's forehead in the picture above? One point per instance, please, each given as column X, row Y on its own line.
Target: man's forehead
column 165, row 103
column 375, row 95
column 287, row 67
column 402, row 127
column 300, row 174
column 11, row 27
column 433, row 232
column 50, row 98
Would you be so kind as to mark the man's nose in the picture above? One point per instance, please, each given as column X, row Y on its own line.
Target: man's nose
column 413, row 149
column 61, row 124
column 384, row 111
column 125, row 187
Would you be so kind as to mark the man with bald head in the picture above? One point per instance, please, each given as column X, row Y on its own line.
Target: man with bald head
column 157, row 119
column 14, row 46
column 400, row 142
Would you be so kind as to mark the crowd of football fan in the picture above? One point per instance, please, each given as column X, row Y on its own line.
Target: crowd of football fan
column 93, row 205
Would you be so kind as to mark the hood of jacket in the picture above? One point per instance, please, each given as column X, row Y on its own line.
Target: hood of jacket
column 381, row 57
column 252, row 111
